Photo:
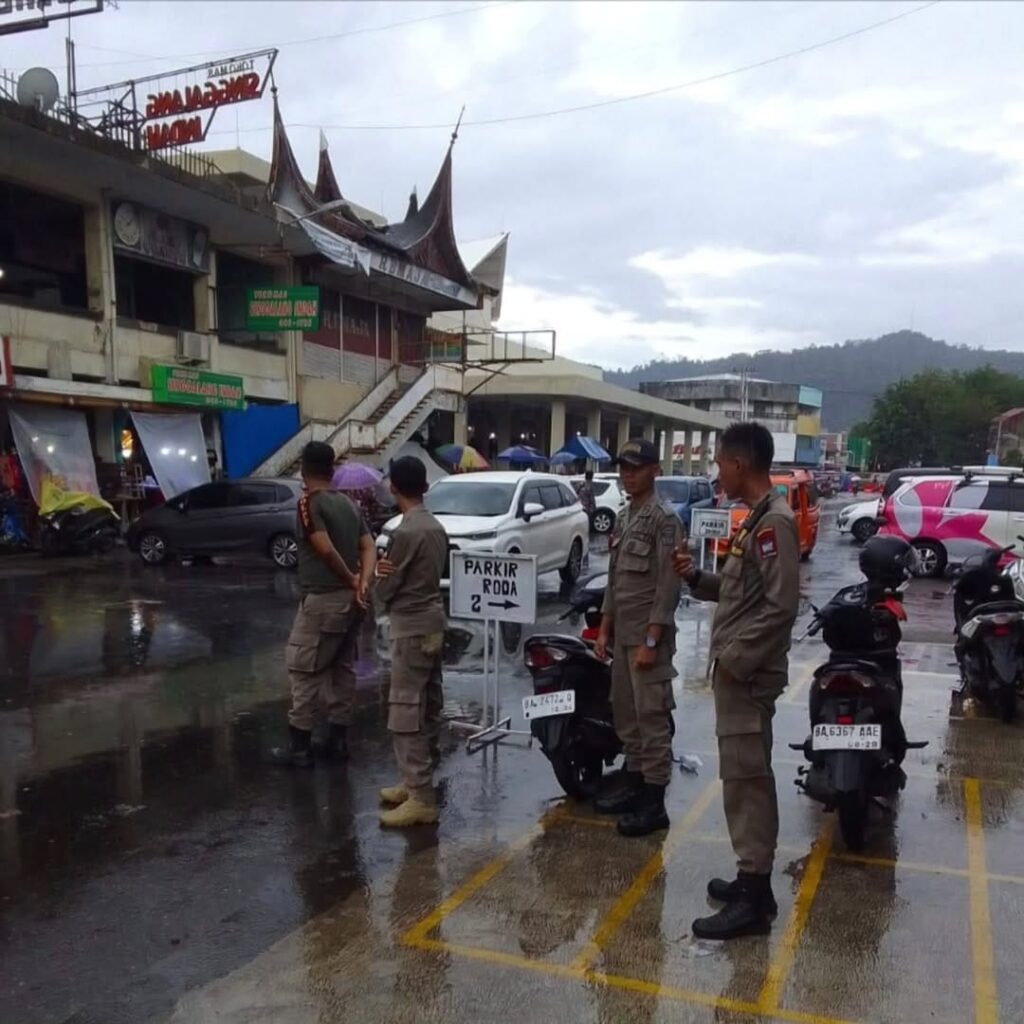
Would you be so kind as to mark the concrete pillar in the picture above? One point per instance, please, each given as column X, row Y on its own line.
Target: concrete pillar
column 668, row 436
column 623, row 430
column 502, row 425
column 705, row 454
column 102, row 292
column 459, row 430
column 649, row 431
column 687, row 452
column 557, row 430
column 594, row 423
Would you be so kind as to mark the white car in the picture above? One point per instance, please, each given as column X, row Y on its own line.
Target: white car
column 860, row 520
column 510, row 513
column 609, row 501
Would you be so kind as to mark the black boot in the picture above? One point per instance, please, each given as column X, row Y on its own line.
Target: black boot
column 650, row 814
column 298, row 753
column 729, row 892
column 748, row 913
column 335, row 747
column 623, row 799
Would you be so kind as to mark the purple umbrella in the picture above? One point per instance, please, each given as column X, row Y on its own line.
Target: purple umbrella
column 354, row 476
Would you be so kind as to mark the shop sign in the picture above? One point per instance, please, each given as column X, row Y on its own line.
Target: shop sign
column 295, row 308
column 158, row 236
column 421, row 277
column 179, row 385
column 6, row 366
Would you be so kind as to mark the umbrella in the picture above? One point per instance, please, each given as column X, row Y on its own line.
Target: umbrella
column 562, row 458
column 462, row 456
column 354, row 476
column 522, row 453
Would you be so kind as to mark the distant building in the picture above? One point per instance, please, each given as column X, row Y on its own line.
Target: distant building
column 792, row 412
column 1005, row 436
column 834, row 449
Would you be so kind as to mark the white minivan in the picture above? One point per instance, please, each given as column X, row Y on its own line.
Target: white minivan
column 522, row 513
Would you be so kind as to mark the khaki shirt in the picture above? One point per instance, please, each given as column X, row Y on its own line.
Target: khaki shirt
column 758, row 593
column 642, row 588
column 411, row 595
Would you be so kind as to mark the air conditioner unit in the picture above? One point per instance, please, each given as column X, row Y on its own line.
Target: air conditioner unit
column 193, row 347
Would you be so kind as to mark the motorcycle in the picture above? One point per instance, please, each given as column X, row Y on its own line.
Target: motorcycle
column 570, row 712
column 857, row 742
column 989, row 619
column 78, row 530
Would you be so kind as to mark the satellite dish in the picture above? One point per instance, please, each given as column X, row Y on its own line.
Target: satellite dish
column 38, row 88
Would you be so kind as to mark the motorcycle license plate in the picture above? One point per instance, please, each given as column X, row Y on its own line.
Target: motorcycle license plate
column 846, row 737
column 544, row 705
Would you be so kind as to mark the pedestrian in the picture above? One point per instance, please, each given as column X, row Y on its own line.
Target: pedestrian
column 409, row 590
column 757, row 592
column 586, row 494
column 638, row 625
column 336, row 563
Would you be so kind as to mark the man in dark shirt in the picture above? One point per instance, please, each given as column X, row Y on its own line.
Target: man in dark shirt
column 336, row 562
column 586, row 494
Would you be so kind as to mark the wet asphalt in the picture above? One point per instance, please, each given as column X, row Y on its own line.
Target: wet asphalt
column 153, row 867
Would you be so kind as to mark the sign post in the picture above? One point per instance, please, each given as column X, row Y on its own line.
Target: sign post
column 496, row 589
column 712, row 524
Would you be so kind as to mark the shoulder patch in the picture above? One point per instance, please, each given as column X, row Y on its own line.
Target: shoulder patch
column 305, row 516
column 767, row 542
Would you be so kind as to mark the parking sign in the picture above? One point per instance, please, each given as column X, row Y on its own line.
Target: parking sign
column 498, row 587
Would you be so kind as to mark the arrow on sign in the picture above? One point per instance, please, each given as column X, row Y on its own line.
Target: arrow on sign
column 502, row 604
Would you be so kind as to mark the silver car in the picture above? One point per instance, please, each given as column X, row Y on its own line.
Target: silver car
column 222, row 518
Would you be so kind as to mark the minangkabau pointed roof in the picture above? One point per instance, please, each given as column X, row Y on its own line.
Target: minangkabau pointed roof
column 327, row 189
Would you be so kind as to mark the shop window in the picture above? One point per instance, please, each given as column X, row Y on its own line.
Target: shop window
column 154, row 294
column 235, row 276
column 42, row 250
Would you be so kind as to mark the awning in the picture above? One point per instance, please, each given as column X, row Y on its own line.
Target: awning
column 337, row 249
column 586, row 448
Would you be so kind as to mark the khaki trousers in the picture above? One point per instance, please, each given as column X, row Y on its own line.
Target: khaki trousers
column 641, row 703
column 320, row 654
column 743, row 725
column 415, row 702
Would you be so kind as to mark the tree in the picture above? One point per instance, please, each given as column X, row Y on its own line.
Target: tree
column 940, row 418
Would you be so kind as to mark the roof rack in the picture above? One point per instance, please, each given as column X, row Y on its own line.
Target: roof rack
column 1003, row 472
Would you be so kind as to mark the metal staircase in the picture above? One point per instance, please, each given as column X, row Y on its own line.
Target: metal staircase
column 379, row 424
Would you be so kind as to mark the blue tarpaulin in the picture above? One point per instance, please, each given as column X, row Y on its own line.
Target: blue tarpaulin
column 251, row 435
column 583, row 447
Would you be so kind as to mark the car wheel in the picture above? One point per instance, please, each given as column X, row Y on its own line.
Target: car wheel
column 603, row 521
column 863, row 530
column 931, row 559
column 152, row 549
column 284, row 551
column 571, row 570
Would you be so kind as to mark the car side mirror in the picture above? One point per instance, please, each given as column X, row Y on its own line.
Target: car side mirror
column 531, row 509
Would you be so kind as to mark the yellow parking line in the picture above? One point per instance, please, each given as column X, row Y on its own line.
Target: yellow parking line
column 627, row 902
column 796, row 689
column 1015, row 879
column 986, row 998
column 492, row 956
column 782, row 961
column 906, row 865
column 581, row 819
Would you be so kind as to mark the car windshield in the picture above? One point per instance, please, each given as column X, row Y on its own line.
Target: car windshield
column 448, row 498
column 672, row 490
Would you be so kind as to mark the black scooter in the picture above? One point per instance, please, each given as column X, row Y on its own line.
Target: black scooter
column 78, row 531
column 989, row 634
column 570, row 712
column 857, row 742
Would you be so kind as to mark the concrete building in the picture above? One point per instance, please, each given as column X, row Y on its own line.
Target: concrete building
column 792, row 412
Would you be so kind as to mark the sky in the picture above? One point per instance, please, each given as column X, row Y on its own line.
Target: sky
column 863, row 186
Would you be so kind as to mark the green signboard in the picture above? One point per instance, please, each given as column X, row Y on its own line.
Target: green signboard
column 178, row 385
column 294, row 308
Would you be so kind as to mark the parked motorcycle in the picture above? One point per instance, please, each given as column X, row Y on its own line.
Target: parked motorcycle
column 78, row 530
column 570, row 712
column 989, row 620
column 857, row 742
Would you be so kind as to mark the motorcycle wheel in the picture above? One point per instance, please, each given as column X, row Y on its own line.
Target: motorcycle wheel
column 578, row 775
column 853, row 819
column 1008, row 703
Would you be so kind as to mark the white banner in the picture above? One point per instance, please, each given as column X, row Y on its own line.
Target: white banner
column 176, row 450
column 54, row 443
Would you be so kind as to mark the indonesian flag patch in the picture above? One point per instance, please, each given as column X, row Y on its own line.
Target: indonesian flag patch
column 767, row 542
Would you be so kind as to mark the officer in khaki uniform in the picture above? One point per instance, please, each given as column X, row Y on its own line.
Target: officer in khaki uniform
column 336, row 560
column 409, row 590
column 638, row 624
column 757, row 592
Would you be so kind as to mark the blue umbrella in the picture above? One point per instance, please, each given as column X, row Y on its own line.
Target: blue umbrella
column 562, row 458
column 522, row 453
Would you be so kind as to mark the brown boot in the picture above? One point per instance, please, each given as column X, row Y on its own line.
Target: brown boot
column 394, row 795
column 410, row 812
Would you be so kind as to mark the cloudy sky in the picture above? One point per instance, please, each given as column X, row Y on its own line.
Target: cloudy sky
column 867, row 185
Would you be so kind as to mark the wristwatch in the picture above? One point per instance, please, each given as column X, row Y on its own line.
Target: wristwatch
column 650, row 643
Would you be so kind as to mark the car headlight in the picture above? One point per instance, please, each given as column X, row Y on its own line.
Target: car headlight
column 488, row 535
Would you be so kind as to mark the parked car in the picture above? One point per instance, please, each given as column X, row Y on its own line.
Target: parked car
column 609, row 500
column 684, row 494
column 860, row 519
column 950, row 517
column 525, row 513
column 222, row 518
column 798, row 486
